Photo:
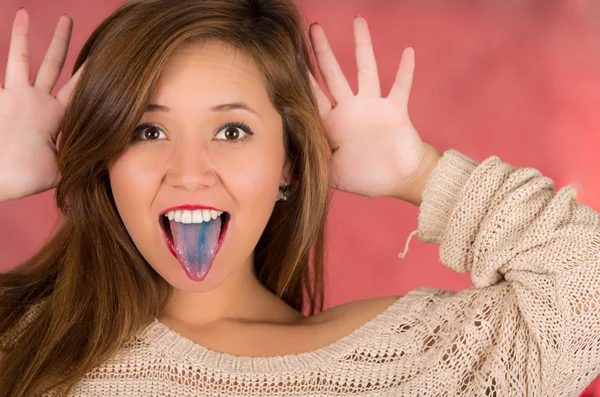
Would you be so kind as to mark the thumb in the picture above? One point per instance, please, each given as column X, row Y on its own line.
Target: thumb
column 65, row 93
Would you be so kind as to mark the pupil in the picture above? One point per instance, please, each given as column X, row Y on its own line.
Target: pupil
column 152, row 132
column 232, row 133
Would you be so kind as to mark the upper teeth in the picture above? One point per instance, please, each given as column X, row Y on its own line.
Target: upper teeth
column 195, row 216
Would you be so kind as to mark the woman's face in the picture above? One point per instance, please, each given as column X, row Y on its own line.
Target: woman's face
column 211, row 139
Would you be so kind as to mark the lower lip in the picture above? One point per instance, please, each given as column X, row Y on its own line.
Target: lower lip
column 172, row 249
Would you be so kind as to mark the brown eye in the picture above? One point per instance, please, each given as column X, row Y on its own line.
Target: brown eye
column 234, row 132
column 151, row 133
column 147, row 132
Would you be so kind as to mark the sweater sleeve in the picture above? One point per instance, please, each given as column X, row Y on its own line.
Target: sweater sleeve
column 533, row 316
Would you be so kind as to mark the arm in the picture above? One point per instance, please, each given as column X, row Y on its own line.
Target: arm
column 531, row 324
column 534, row 257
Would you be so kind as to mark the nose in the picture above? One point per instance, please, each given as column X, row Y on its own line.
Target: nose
column 191, row 168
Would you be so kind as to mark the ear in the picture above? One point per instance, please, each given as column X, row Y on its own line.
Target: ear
column 286, row 173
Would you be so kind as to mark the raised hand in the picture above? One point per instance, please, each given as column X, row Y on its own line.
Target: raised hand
column 30, row 117
column 376, row 149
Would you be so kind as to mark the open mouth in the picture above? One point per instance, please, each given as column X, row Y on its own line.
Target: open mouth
column 195, row 242
column 166, row 227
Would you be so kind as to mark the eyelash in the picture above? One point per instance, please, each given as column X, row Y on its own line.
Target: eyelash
column 243, row 126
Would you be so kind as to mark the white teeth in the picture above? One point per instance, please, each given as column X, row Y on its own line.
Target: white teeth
column 197, row 218
column 186, row 216
column 193, row 216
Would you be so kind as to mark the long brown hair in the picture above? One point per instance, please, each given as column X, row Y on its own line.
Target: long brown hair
column 90, row 287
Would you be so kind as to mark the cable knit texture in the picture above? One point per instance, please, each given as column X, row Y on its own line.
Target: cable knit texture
column 530, row 326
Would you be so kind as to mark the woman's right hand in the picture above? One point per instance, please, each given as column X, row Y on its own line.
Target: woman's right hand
column 30, row 117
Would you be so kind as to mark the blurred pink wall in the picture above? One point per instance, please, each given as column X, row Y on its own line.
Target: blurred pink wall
column 516, row 79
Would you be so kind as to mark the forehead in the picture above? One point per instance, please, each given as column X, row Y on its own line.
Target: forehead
column 211, row 72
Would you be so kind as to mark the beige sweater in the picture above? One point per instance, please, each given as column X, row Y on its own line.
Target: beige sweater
column 530, row 326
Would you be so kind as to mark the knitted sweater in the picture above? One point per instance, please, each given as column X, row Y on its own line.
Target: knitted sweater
column 530, row 325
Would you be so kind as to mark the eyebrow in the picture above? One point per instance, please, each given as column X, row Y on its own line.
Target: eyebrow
column 225, row 107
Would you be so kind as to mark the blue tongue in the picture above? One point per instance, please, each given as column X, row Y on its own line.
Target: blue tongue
column 196, row 246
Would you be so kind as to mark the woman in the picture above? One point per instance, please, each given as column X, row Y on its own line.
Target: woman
column 192, row 176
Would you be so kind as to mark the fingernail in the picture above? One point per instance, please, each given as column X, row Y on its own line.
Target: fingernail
column 312, row 24
column 359, row 16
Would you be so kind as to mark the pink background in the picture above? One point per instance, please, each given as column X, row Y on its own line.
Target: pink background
column 516, row 79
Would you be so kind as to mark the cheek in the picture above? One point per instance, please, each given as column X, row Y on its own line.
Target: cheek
column 256, row 182
column 134, row 180
column 253, row 181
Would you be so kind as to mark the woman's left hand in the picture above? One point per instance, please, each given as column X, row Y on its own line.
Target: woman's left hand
column 376, row 149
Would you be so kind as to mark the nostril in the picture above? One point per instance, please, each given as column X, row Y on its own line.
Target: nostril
column 191, row 177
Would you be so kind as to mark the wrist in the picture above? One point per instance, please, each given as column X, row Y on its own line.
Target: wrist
column 416, row 185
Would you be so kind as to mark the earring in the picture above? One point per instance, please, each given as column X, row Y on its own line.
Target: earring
column 282, row 194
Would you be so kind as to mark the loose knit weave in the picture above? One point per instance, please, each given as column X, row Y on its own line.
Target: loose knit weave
column 530, row 326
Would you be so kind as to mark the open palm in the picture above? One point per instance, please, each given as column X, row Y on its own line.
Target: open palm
column 376, row 149
column 30, row 116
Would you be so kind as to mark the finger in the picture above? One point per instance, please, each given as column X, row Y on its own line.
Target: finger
column 330, row 69
column 400, row 92
column 322, row 100
column 17, row 68
column 368, row 77
column 55, row 56
column 65, row 93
